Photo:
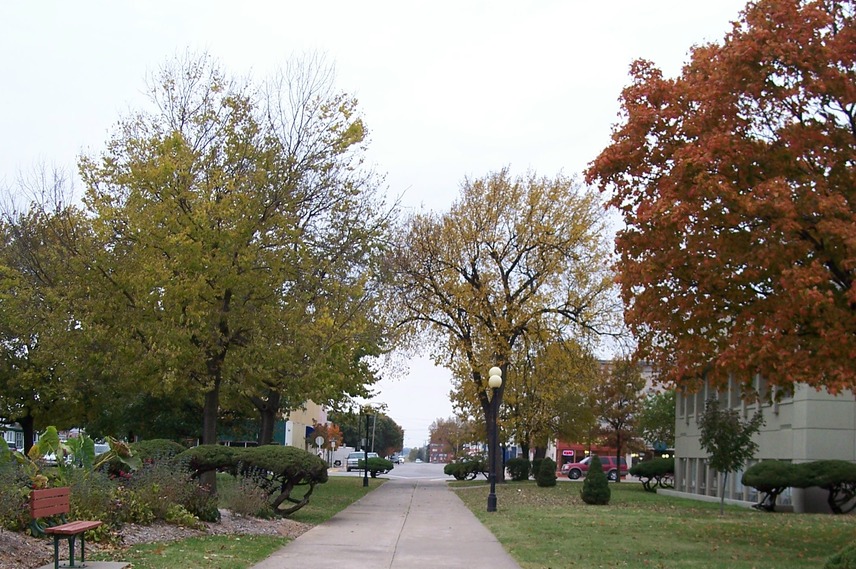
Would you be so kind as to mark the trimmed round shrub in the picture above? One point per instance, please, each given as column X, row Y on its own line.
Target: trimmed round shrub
column 838, row 477
column 844, row 559
column 377, row 466
column 207, row 458
column 281, row 470
column 466, row 469
column 518, row 468
column 546, row 476
column 596, row 487
column 771, row 478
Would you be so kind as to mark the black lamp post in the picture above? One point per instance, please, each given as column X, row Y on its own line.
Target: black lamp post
column 366, row 455
column 495, row 382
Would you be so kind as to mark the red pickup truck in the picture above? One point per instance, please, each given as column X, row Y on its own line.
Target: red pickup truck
column 575, row 470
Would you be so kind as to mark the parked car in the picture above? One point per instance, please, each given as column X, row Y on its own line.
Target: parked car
column 575, row 470
column 354, row 458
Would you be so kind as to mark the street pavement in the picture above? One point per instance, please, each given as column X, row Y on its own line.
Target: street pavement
column 406, row 523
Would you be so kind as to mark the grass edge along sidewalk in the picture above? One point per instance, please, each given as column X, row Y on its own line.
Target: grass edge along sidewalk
column 240, row 552
column 553, row 527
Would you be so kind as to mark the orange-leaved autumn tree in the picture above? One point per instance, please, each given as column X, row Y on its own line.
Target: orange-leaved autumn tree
column 736, row 184
column 453, row 434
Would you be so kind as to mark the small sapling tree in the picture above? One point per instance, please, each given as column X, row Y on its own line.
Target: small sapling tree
column 728, row 441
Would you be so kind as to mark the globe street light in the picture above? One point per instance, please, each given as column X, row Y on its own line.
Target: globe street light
column 494, row 382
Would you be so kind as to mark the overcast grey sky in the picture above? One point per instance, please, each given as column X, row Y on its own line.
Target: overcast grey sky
column 448, row 88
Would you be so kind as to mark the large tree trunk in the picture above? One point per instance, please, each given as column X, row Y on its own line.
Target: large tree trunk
column 268, row 409
column 28, row 426
column 210, row 412
column 540, row 452
column 617, row 457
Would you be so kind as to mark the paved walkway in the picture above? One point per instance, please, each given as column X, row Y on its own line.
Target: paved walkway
column 404, row 524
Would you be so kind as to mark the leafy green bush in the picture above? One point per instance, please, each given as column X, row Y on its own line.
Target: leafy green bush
column 596, row 487
column 150, row 450
column 129, row 507
column 844, row 559
column 518, row 468
column 178, row 515
column 14, row 493
column 245, row 497
column 655, row 472
column 90, row 497
column 161, row 484
column 546, row 476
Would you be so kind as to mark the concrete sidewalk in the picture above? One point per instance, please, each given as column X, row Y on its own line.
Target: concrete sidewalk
column 404, row 524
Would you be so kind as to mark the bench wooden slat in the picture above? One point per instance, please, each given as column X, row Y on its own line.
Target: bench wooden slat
column 49, row 502
column 73, row 528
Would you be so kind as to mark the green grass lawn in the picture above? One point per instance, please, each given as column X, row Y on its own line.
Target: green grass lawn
column 240, row 552
column 553, row 528
column 208, row 552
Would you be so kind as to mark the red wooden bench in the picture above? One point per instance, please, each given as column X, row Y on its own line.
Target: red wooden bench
column 54, row 502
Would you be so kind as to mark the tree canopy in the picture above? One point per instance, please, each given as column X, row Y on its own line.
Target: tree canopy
column 453, row 434
column 735, row 182
column 511, row 254
column 385, row 436
column 226, row 253
column 545, row 383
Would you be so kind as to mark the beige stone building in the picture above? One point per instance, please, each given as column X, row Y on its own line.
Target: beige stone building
column 804, row 426
column 299, row 425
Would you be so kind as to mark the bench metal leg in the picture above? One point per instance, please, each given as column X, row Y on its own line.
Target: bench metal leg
column 71, row 539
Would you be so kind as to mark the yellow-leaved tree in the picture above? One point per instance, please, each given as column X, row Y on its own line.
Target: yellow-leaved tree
column 513, row 255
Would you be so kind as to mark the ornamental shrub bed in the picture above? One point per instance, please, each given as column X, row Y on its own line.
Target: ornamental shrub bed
column 772, row 477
